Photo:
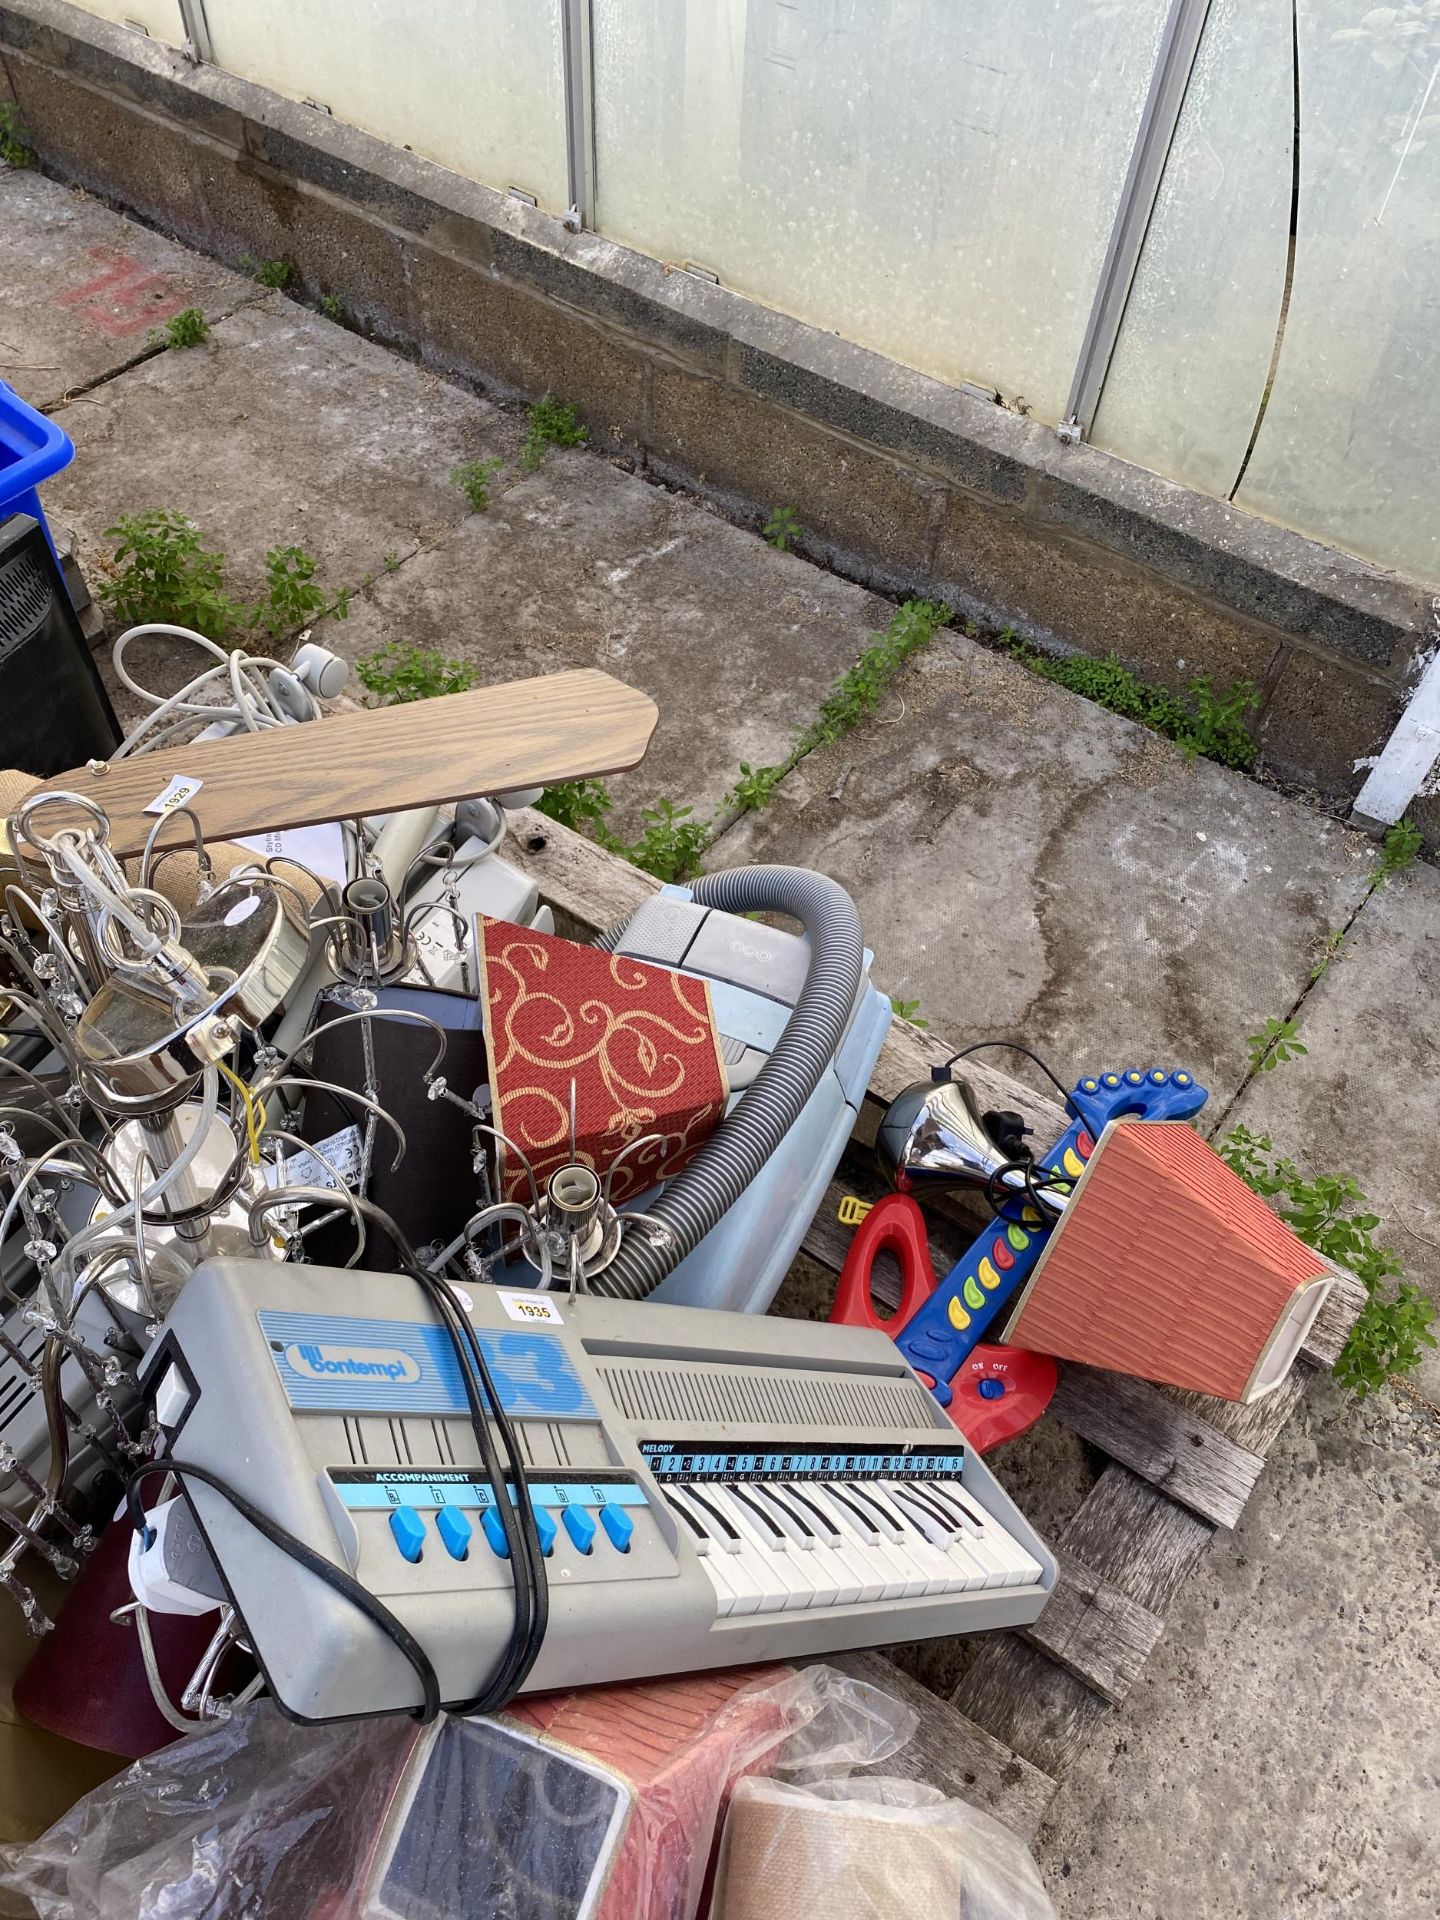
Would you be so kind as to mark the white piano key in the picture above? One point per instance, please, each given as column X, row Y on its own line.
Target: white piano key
column 861, row 1582
column 943, row 1533
column 890, row 1527
column 762, row 1552
column 816, row 1570
column 918, row 1512
column 710, row 1559
column 1024, row 1567
column 985, row 1549
column 853, row 1513
column 716, row 1525
column 876, row 1553
column 914, row 1549
column 725, row 1548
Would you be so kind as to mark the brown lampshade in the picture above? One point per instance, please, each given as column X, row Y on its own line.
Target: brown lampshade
column 1167, row 1266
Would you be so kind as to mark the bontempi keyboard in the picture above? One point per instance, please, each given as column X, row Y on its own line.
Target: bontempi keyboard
column 709, row 1488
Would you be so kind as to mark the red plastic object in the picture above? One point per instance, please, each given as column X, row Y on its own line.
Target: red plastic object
column 894, row 1225
column 1026, row 1384
column 984, row 1415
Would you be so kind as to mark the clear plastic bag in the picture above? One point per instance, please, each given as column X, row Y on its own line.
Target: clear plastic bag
column 595, row 1805
column 869, row 1848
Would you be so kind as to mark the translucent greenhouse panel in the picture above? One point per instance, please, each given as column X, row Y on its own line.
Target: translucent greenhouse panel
column 1195, row 347
column 160, row 18
column 933, row 178
column 473, row 84
column 1349, row 449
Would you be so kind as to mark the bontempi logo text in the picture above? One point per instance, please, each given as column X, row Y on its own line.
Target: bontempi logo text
column 314, row 1362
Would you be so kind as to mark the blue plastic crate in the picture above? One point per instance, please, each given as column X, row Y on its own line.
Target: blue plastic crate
column 31, row 449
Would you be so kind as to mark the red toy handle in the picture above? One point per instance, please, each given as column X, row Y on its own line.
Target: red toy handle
column 999, row 1391
column 895, row 1225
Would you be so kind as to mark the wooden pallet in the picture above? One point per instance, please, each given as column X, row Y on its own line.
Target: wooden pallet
column 1178, row 1465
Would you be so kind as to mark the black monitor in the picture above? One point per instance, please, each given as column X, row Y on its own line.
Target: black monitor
column 54, row 712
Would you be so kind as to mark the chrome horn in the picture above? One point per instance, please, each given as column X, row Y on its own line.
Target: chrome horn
column 935, row 1135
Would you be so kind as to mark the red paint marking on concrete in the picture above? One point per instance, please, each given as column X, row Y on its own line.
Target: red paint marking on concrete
column 125, row 298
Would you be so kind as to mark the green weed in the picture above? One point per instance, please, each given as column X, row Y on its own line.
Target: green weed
column 333, row 308
column 1398, row 850
column 671, row 844
column 857, row 693
column 579, row 804
column 188, row 328
column 754, row 787
column 553, row 423
column 907, row 1010
column 1327, row 1212
column 291, row 596
column 782, row 529
column 473, row 478
column 163, row 573
column 1218, row 729
column 15, row 147
column 1275, row 1043
column 275, row 274
column 1329, row 949
column 400, row 674
column 1212, row 725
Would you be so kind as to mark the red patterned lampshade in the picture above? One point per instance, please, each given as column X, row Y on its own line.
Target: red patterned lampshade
column 638, row 1042
column 1166, row 1265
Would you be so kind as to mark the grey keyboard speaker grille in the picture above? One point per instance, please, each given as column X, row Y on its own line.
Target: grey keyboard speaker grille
column 701, row 1393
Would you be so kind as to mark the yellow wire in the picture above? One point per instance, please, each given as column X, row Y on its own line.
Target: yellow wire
column 253, row 1127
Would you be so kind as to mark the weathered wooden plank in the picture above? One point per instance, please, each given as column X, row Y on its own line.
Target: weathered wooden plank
column 1039, row 1711
column 1095, row 1631
column 1333, row 1322
column 953, row 1754
column 1255, row 1426
column 1134, row 1423
column 1127, row 1533
column 589, row 887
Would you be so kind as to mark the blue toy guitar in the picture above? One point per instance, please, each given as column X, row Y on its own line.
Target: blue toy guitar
column 941, row 1333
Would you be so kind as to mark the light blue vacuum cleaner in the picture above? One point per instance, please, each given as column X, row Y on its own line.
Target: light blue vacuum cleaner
column 801, row 1028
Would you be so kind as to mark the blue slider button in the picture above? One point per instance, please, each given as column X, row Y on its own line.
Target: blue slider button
column 409, row 1531
column 455, row 1530
column 495, row 1532
column 580, row 1525
column 545, row 1527
column 618, row 1524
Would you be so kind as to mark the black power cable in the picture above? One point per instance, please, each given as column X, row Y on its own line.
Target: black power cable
column 940, row 1074
column 316, row 1563
column 517, row 1517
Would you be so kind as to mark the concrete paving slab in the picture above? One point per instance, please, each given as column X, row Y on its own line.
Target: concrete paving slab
column 1277, row 1756
column 1365, row 1099
column 82, row 288
column 1029, row 865
column 581, row 564
column 282, row 430
column 1022, row 860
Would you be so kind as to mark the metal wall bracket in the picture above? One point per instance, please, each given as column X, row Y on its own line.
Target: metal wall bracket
column 577, row 42
column 1179, row 43
column 198, row 48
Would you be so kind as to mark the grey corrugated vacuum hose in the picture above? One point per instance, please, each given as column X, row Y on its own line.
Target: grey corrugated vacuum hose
column 699, row 1197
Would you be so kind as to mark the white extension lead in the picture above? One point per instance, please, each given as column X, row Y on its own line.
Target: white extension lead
column 262, row 692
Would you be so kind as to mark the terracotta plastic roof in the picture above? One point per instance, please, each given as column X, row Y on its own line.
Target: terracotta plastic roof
column 1164, row 1265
